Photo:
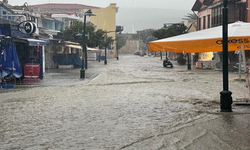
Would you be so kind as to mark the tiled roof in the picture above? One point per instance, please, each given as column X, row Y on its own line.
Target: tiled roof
column 59, row 8
column 62, row 6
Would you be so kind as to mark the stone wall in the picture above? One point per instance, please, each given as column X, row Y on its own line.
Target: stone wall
column 130, row 47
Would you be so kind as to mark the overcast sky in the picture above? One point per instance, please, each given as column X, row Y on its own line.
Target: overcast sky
column 154, row 7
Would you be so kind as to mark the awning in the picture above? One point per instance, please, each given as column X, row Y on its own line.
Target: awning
column 35, row 42
column 93, row 50
column 208, row 40
column 31, row 42
column 74, row 46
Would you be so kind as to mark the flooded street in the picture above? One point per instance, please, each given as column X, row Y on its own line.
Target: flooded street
column 130, row 104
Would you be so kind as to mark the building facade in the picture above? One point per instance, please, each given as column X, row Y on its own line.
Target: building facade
column 105, row 18
column 210, row 15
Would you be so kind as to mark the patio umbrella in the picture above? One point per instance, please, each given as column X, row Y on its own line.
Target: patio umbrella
column 9, row 63
column 208, row 40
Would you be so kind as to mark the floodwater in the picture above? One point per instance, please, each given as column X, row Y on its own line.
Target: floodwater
column 130, row 104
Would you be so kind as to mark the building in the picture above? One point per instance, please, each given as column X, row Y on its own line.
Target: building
column 29, row 47
column 105, row 18
column 210, row 15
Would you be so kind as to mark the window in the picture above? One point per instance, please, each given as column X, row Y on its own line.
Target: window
column 204, row 22
column 199, row 23
column 4, row 14
column 208, row 21
column 217, row 16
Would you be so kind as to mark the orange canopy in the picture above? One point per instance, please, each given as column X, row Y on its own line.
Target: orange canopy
column 209, row 40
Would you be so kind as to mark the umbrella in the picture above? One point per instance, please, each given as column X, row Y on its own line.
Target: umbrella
column 208, row 40
column 9, row 63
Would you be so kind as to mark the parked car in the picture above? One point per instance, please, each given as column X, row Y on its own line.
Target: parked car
column 140, row 52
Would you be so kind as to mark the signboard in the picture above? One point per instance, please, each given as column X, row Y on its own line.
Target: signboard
column 27, row 27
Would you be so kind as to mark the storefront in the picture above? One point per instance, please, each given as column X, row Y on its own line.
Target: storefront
column 30, row 51
column 31, row 57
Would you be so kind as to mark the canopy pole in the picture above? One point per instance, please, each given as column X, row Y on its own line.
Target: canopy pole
column 244, row 58
column 226, row 98
column 188, row 65
column 246, row 70
column 240, row 53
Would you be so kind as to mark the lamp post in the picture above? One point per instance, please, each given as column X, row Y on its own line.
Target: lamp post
column 117, row 52
column 226, row 98
column 82, row 71
column 105, row 60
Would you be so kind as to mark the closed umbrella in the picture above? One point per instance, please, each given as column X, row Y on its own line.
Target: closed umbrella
column 9, row 62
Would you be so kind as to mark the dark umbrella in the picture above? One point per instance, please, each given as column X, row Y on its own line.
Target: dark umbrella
column 9, row 62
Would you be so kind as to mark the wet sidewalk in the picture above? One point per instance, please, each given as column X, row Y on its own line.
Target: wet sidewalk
column 64, row 75
column 131, row 104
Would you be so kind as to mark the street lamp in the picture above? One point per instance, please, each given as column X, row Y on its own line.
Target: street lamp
column 117, row 30
column 82, row 71
column 105, row 61
column 117, row 57
column 226, row 98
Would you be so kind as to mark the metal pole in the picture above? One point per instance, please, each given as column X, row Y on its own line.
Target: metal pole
column 82, row 71
column 105, row 61
column 117, row 52
column 188, row 65
column 99, row 59
column 226, row 99
column 240, row 63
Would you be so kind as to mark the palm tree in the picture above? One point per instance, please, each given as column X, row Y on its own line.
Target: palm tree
column 190, row 17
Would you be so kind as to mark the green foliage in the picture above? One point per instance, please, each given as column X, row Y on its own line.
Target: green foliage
column 170, row 31
column 93, row 38
column 190, row 17
column 144, row 37
column 121, row 41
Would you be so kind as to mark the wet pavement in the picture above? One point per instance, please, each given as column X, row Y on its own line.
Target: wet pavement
column 130, row 104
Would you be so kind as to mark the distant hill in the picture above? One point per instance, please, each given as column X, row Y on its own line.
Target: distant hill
column 134, row 19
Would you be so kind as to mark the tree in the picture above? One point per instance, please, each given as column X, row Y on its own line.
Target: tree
column 121, row 41
column 144, row 37
column 190, row 17
column 93, row 39
column 170, row 31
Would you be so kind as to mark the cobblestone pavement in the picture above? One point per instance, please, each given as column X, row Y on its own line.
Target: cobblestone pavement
column 130, row 104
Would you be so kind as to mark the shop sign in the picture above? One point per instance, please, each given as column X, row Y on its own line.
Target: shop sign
column 27, row 27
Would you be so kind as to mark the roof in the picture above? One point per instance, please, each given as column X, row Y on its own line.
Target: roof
column 50, row 6
column 203, row 4
column 59, row 8
column 4, row 5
